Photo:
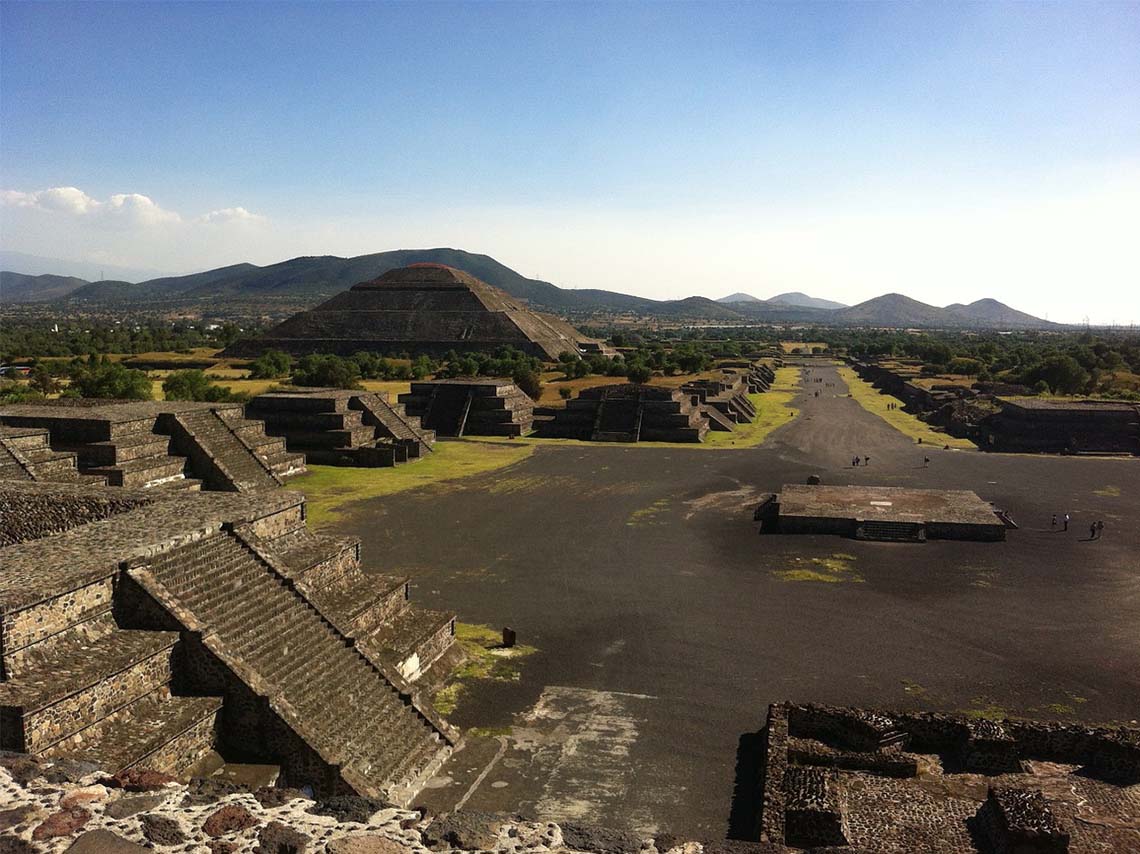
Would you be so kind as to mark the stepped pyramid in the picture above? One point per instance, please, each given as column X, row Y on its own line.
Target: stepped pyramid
column 423, row 308
column 160, row 629
column 170, row 444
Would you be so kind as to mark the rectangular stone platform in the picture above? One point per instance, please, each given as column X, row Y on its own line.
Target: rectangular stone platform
column 886, row 513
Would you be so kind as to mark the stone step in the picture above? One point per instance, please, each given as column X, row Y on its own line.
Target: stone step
column 86, row 680
column 279, row 635
column 319, row 559
column 115, row 451
column 158, row 731
column 211, row 435
column 142, row 472
column 412, row 640
column 360, row 602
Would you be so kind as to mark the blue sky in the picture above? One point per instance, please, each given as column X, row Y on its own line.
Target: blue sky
column 948, row 151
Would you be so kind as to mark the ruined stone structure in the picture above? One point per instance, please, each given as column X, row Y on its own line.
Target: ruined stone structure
column 144, row 444
column 943, row 784
column 880, row 513
column 147, row 628
column 473, row 406
column 26, row 454
column 344, row 428
column 423, row 308
column 1030, row 424
column 724, row 401
column 627, row 413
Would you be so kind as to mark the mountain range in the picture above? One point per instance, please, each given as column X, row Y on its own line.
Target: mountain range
column 794, row 298
column 310, row 279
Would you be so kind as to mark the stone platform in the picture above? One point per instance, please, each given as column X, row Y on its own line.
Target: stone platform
column 146, row 628
column 880, row 513
column 172, row 444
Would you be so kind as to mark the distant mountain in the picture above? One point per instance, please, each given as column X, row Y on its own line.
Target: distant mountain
column 803, row 300
column 312, row 279
column 19, row 287
column 990, row 312
column 35, row 265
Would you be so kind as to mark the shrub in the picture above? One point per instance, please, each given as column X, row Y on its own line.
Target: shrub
column 111, row 381
column 326, row 371
column 193, row 384
column 270, row 365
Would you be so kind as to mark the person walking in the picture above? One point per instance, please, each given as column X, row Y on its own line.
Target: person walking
column 1066, row 521
column 1099, row 528
column 926, row 465
column 866, row 461
column 1053, row 524
column 1092, row 531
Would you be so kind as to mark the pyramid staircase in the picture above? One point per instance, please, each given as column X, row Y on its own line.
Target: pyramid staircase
column 104, row 692
column 447, row 410
column 340, row 427
column 216, row 453
column 617, row 420
column 26, row 454
column 252, row 614
column 394, row 422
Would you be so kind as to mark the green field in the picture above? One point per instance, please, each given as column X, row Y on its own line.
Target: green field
column 329, row 489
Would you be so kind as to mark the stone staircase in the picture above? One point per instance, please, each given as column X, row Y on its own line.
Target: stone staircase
column 899, row 532
column 372, row 608
column 255, row 618
column 340, row 427
column 447, row 409
column 105, row 693
column 617, row 421
column 216, row 454
column 394, row 422
column 26, row 454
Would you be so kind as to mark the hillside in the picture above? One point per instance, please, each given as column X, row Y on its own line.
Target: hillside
column 308, row 280
column 18, row 287
column 802, row 300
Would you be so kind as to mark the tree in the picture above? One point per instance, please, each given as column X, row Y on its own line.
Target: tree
column 529, row 380
column 42, row 381
column 1063, row 374
column 322, row 370
column 638, row 372
column 195, row 385
column 270, row 365
column 111, row 380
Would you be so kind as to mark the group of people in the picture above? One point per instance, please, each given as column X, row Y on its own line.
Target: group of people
column 892, row 406
column 1095, row 528
column 855, row 460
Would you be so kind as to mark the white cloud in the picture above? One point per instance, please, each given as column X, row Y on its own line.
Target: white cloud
column 128, row 207
column 230, row 215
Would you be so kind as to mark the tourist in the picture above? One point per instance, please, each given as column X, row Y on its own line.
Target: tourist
column 1066, row 521
column 866, row 461
column 926, row 465
column 1053, row 524
column 1092, row 531
column 1099, row 528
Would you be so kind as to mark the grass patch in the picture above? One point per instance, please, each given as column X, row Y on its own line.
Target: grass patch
column 487, row 731
column 983, row 708
column 484, row 658
column 1108, row 492
column 876, row 403
column 648, row 515
column 773, row 409
column 825, row 570
column 329, row 489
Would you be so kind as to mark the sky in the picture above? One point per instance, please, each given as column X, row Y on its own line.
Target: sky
column 946, row 151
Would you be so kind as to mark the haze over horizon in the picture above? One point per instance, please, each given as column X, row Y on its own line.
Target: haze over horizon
column 949, row 152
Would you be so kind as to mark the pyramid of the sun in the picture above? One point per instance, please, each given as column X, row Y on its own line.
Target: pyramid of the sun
column 423, row 308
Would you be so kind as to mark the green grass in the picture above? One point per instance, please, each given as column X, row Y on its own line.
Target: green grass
column 838, row 568
column 876, row 403
column 329, row 489
column 1108, row 492
column 773, row 409
column 484, row 658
